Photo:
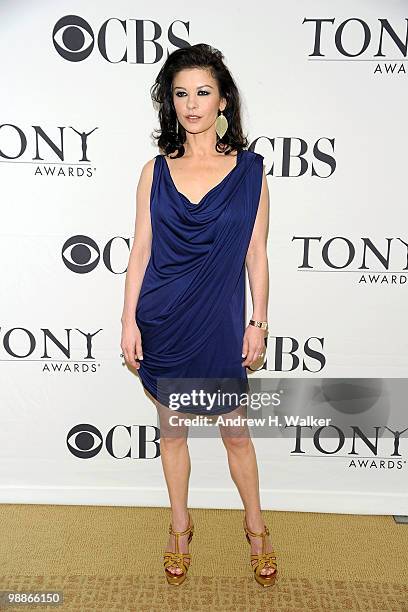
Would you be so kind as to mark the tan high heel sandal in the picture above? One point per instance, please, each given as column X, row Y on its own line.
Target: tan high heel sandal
column 177, row 558
column 263, row 560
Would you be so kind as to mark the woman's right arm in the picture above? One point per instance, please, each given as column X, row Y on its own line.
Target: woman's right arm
column 131, row 342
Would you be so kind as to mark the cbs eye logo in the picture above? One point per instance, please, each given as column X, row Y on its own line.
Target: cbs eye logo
column 73, row 38
column 84, row 441
column 81, row 254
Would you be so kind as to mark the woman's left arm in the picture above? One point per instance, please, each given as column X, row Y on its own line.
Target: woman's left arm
column 258, row 274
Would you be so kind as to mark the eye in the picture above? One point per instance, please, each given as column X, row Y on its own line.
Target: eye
column 207, row 93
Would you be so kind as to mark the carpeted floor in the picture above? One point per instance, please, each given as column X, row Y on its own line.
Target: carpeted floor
column 110, row 559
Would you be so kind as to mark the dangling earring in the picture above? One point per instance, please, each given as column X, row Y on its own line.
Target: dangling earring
column 221, row 125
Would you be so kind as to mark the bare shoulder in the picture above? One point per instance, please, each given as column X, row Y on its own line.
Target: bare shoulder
column 146, row 175
column 147, row 168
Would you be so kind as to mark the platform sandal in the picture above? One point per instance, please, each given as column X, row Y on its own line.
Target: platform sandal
column 177, row 558
column 263, row 560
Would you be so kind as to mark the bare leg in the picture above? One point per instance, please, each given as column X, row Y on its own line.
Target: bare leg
column 175, row 458
column 244, row 472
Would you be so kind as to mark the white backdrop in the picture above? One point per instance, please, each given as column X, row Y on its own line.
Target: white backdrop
column 325, row 103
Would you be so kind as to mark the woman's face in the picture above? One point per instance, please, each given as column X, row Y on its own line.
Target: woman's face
column 195, row 92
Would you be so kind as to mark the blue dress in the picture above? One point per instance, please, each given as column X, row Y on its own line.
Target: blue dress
column 191, row 305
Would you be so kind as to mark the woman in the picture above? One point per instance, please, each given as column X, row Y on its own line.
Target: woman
column 201, row 215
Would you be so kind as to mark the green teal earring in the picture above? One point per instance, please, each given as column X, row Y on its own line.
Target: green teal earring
column 221, row 125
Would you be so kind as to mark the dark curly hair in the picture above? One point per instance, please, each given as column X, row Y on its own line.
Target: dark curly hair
column 203, row 56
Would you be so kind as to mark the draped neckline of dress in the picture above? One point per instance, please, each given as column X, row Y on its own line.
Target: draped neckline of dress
column 205, row 196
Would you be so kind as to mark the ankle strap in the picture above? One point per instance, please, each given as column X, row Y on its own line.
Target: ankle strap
column 258, row 535
column 180, row 533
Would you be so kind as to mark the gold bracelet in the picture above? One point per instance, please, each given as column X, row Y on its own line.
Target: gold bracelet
column 261, row 324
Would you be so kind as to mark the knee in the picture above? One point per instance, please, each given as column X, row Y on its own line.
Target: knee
column 237, row 443
column 173, row 442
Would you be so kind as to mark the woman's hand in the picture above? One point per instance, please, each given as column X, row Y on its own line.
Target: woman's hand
column 131, row 343
column 253, row 345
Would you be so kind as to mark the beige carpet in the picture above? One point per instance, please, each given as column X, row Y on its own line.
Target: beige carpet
column 109, row 558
